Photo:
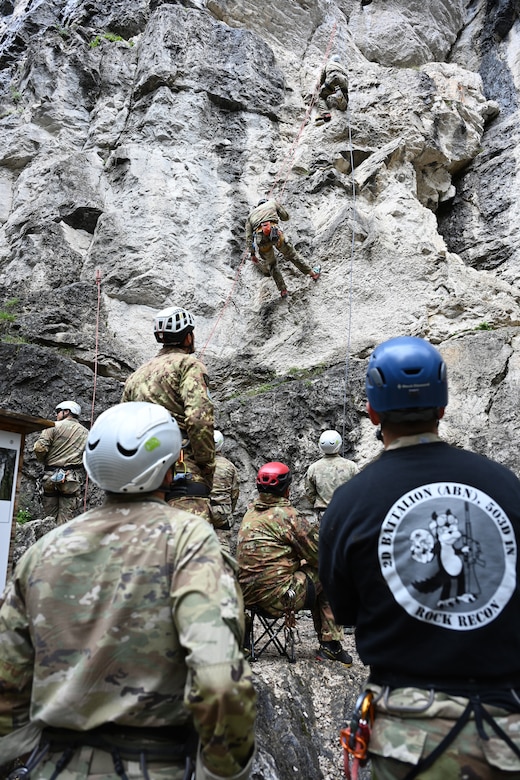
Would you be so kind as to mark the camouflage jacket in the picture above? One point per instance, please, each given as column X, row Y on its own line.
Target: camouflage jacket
column 62, row 445
column 179, row 382
column 129, row 614
column 273, row 540
column 334, row 73
column 271, row 211
column 324, row 476
column 225, row 491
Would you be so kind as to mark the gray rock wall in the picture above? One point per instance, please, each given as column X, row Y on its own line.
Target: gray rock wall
column 135, row 137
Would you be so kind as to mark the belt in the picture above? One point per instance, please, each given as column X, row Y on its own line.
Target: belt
column 68, row 467
column 167, row 743
column 451, row 685
column 186, row 487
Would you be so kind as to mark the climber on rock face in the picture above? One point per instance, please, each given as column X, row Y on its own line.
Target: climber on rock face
column 333, row 89
column 263, row 233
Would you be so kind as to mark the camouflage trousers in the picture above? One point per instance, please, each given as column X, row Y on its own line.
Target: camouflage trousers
column 268, row 265
column 408, row 727
column 334, row 94
column 62, row 501
column 322, row 617
column 89, row 763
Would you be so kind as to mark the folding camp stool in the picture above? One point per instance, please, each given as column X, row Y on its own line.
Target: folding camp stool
column 267, row 630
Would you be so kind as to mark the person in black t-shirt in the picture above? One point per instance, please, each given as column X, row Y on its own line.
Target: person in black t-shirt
column 420, row 552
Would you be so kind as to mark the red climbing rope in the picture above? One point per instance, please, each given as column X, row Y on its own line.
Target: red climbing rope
column 226, row 304
column 289, row 157
column 96, row 350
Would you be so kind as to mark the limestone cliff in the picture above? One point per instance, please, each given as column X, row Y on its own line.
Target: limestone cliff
column 135, row 137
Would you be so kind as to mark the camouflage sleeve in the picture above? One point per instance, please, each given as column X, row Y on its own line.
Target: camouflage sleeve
column 282, row 213
column 310, row 487
column 305, row 538
column 43, row 443
column 16, row 662
column 235, row 491
column 198, row 411
column 208, row 613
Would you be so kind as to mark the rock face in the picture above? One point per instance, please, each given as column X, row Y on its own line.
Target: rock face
column 134, row 139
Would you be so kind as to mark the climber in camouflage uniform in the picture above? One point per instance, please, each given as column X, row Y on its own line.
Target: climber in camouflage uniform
column 277, row 555
column 61, row 450
column 329, row 472
column 333, row 89
column 121, row 631
column 178, row 381
column 263, row 233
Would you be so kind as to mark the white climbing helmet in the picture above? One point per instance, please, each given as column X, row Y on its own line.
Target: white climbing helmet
column 71, row 406
column 330, row 442
column 219, row 440
column 131, row 446
column 335, row 58
column 172, row 324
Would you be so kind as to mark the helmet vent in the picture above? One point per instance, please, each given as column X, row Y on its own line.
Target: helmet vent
column 126, row 453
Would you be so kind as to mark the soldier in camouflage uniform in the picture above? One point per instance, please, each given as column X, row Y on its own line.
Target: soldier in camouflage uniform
column 178, row 381
column 263, row 233
column 122, row 630
column 224, row 494
column 277, row 555
column 329, row 472
column 61, row 450
column 333, row 89
column 420, row 552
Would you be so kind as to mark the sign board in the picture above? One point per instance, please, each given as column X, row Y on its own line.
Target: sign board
column 13, row 428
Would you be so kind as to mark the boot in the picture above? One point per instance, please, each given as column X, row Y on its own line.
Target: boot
column 333, row 651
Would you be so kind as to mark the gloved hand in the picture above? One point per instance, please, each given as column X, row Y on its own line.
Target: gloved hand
column 254, row 258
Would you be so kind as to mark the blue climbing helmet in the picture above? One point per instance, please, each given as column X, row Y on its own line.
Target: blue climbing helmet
column 406, row 374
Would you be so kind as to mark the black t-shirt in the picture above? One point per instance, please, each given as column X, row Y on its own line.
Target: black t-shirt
column 420, row 552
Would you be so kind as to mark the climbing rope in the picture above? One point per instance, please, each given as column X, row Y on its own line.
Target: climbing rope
column 287, row 161
column 226, row 303
column 289, row 157
column 96, row 351
column 346, row 377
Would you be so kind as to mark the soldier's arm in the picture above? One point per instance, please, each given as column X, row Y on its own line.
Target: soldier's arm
column 209, row 617
column 235, row 490
column 16, row 663
column 310, row 487
column 282, row 213
column 43, row 443
column 199, row 420
column 305, row 538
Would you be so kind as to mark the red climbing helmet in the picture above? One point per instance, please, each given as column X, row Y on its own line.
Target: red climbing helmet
column 273, row 477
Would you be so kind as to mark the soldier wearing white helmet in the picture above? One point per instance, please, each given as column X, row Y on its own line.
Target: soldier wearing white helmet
column 61, row 450
column 177, row 380
column 126, row 629
column 329, row 472
column 225, row 492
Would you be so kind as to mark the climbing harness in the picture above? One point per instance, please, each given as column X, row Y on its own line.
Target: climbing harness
column 355, row 738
